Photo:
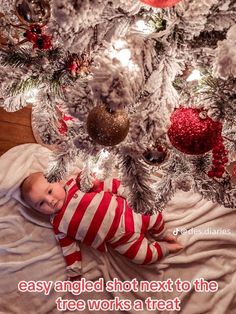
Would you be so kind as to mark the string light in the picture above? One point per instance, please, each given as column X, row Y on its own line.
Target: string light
column 31, row 95
column 194, row 76
column 120, row 52
column 104, row 153
column 98, row 168
column 119, row 44
column 143, row 27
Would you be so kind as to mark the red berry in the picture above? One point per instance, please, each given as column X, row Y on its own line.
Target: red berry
column 47, row 42
column 216, row 161
column 225, row 160
column 216, row 155
column 211, row 174
column 218, row 174
column 221, row 168
column 215, row 150
column 221, row 145
column 43, row 42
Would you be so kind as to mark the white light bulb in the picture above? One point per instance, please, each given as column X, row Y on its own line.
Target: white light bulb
column 194, row 76
column 124, row 56
column 97, row 171
column 104, row 153
column 120, row 52
column 142, row 26
column 31, row 95
column 119, row 44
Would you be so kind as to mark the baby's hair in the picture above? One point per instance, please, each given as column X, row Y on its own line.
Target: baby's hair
column 22, row 191
column 25, row 186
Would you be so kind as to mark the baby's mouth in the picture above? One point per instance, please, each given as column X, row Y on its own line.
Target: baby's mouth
column 54, row 206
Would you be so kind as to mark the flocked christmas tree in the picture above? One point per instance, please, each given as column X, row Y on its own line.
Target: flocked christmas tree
column 150, row 86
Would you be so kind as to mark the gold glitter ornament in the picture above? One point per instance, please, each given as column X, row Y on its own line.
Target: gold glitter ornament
column 33, row 11
column 106, row 127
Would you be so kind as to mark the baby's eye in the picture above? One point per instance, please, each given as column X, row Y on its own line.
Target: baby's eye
column 41, row 203
column 50, row 191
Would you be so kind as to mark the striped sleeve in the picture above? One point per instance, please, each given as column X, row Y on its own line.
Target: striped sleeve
column 111, row 185
column 72, row 254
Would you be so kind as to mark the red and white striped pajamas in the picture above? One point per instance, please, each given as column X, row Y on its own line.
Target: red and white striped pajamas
column 102, row 218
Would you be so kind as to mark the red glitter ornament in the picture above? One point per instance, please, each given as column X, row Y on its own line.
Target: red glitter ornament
column 192, row 132
column 161, row 3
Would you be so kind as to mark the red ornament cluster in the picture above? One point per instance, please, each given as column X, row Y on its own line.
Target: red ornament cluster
column 219, row 160
column 192, row 132
column 161, row 3
column 36, row 35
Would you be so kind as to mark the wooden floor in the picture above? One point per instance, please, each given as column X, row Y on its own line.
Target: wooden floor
column 15, row 128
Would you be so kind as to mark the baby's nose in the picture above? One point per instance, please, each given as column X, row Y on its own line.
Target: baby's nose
column 50, row 200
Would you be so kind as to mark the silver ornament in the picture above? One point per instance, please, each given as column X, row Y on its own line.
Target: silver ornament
column 155, row 155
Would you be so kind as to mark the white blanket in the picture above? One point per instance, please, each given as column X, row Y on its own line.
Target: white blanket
column 29, row 252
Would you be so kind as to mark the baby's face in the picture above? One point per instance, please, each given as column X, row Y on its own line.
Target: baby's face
column 45, row 197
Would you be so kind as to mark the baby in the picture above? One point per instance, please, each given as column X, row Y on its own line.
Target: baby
column 98, row 218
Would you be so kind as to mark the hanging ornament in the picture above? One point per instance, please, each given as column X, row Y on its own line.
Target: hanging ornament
column 36, row 35
column 33, row 11
column 107, row 127
column 155, row 155
column 193, row 132
column 160, row 3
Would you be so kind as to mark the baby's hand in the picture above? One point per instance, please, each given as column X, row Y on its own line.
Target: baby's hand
column 172, row 243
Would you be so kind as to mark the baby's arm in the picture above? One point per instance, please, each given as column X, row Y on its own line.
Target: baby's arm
column 110, row 185
column 72, row 254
